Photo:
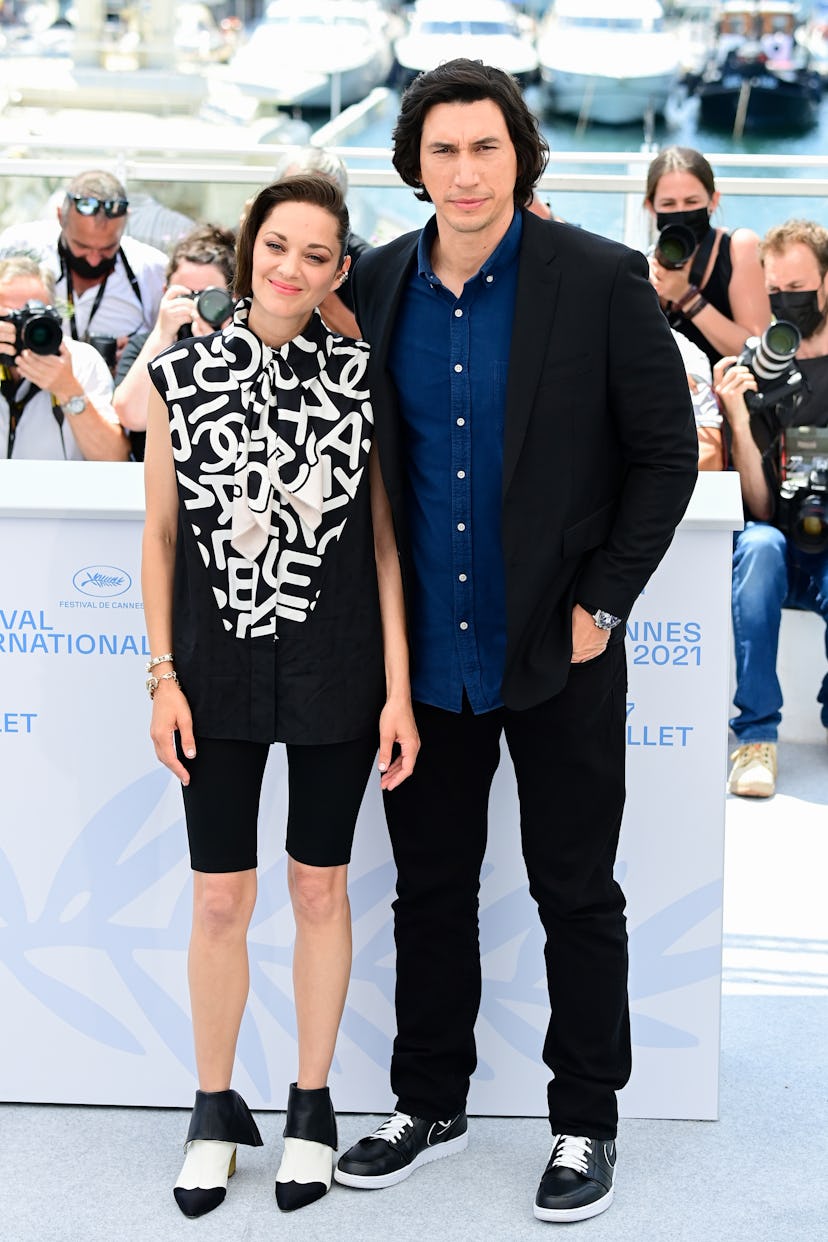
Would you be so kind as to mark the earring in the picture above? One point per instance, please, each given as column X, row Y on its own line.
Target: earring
column 343, row 278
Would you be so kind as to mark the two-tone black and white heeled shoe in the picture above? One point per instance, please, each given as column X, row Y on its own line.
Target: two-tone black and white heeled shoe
column 306, row 1169
column 220, row 1121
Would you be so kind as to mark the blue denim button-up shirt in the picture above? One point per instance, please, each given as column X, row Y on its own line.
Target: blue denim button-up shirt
column 449, row 359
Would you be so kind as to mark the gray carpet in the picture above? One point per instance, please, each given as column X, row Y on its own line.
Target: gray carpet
column 757, row 1175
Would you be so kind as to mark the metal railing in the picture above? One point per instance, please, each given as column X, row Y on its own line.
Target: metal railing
column 588, row 172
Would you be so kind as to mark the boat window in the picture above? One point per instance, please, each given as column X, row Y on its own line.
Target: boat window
column 442, row 28
column 490, row 28
column 634, row 24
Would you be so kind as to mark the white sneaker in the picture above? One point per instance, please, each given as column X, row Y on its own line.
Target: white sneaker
column 753, row 774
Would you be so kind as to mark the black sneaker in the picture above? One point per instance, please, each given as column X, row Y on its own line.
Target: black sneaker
column 397, row 1148
column 578, row 1180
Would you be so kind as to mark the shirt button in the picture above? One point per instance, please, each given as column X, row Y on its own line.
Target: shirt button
column 461, row 474
column 461, row 577
column 489, row 279
column 458, row 313
column 461, row 525
column 458, row 366
column 461, row 422
column 464, row 625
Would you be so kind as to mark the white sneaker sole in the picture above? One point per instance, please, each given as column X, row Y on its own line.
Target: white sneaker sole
column 366, row 1182
column 581, row 1213
column 751, row 791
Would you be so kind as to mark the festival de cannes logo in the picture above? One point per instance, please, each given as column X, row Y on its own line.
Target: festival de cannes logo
column 102, row 581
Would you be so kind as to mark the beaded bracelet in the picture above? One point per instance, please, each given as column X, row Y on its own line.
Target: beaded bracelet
column 167, row 658
column 697, row 306
column 154, row 682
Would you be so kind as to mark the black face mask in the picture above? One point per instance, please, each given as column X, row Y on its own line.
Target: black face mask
column 800, row 308
column 81, row 267
column 697, row 221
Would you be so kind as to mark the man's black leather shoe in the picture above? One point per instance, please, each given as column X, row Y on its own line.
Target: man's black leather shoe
column 397, row 1148
column 578, row 1180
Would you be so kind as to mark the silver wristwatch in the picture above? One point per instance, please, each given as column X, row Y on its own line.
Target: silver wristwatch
column 605, row 620
column 75, row 405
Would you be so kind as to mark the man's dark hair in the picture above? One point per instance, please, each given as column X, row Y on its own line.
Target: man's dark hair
column 467, row 81
column 312, row 188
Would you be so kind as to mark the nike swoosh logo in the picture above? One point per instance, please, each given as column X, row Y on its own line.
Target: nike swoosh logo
column 610, row 1154
column 441, row 1128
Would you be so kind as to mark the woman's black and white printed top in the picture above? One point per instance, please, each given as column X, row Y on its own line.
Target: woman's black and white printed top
column 276, row 617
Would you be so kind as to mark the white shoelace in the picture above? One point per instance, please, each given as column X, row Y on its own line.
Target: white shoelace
column 572, row 1152
column 392, row 1129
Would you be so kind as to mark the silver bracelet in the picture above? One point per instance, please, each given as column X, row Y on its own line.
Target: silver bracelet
column 167, row 658
column 154, row 682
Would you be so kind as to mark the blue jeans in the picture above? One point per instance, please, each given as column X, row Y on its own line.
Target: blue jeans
column 769, row 574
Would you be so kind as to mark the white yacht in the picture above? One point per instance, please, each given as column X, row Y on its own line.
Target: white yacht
column 608, row 60
column 314, row 53
column 487, row 30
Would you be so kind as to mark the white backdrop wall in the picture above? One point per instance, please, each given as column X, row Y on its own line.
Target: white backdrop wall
column 94, row 875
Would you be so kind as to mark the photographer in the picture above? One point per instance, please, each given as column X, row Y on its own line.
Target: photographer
column 109, row 285
column 54, row 393
column 771, row 568
column 715, row 295
column 204, row 259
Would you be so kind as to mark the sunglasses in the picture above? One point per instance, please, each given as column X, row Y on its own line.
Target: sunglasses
column 88, row 205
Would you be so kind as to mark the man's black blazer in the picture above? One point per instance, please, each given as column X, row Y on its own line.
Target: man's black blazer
column 600, row 449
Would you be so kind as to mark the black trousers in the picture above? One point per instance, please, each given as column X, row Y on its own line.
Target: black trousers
column 568, row 755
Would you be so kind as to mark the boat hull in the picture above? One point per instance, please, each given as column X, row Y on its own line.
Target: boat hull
column 609, row 100
column 779, row 109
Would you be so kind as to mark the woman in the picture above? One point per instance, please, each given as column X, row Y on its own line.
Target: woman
column 717, row 297
column 204, row 259
column 268, row 596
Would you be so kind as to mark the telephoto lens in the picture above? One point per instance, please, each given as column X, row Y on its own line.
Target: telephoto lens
column 772, row 359
column 770, row 354
column 675, row 246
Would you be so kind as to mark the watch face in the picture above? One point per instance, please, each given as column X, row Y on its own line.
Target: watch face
column 605, row 620
column 75, row 405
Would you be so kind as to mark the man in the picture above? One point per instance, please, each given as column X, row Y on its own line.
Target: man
column 56, row 405
column 538, row 448
column 111, row 285
column 770, row 570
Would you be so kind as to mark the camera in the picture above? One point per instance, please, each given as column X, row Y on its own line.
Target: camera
column 802, row 510
column 675, row 246
column 770, row 357
column 213, row 304
column 107, row 347
column 37, row 327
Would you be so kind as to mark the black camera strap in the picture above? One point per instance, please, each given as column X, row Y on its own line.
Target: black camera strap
column 700, row 259
column 70, row 292
column 16, row 404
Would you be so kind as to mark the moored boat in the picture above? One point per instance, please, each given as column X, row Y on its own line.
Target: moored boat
column 759, row 79
column 610, row 61
column 313, row 53
column 487, row 30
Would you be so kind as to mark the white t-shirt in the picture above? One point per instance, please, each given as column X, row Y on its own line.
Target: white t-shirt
column 696, row 363
column 120, row 313
column 40, row 436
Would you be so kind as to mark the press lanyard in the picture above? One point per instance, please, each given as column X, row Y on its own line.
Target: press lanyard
column 8, row 390
column 70, row 292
